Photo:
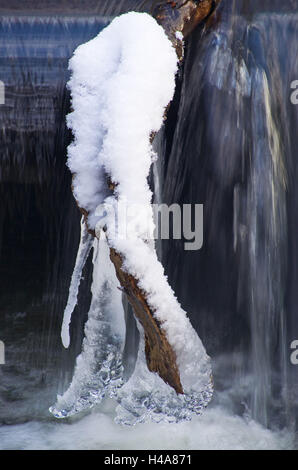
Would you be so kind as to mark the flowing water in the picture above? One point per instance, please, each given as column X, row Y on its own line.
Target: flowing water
column 229, row 143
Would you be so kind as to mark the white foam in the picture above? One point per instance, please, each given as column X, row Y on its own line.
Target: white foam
column 216, row 429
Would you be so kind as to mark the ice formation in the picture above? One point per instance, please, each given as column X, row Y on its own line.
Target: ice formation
column 121, row 84
column 86, row 243
column 98, row 370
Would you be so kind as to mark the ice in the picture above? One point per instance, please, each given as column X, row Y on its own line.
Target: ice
column 85, row 246
column 98, row 368
column 146, row 397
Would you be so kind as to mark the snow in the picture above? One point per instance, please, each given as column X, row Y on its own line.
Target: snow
column 121, row 84
column 192, row 361
column 179, row 36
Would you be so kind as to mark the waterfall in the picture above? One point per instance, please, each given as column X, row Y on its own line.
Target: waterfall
column 236, row 101
column 267, row 257
column 229, row 143
column 39, row 220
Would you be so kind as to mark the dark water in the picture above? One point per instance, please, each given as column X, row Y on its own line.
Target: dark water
column 232, row 146
column 230, row 143
column 39, row 218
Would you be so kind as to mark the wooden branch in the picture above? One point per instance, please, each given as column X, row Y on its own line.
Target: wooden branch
column 159, row 353
column 181, row 16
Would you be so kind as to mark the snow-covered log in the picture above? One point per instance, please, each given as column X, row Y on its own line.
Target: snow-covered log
column 121, row 85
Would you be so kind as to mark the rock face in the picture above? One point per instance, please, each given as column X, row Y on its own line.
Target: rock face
column 183, row 17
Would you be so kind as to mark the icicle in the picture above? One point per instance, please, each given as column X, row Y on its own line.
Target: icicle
column 99, row 368
column 83, row 253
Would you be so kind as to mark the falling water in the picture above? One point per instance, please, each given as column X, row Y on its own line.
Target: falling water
column 231, row 150
column 39, row 234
